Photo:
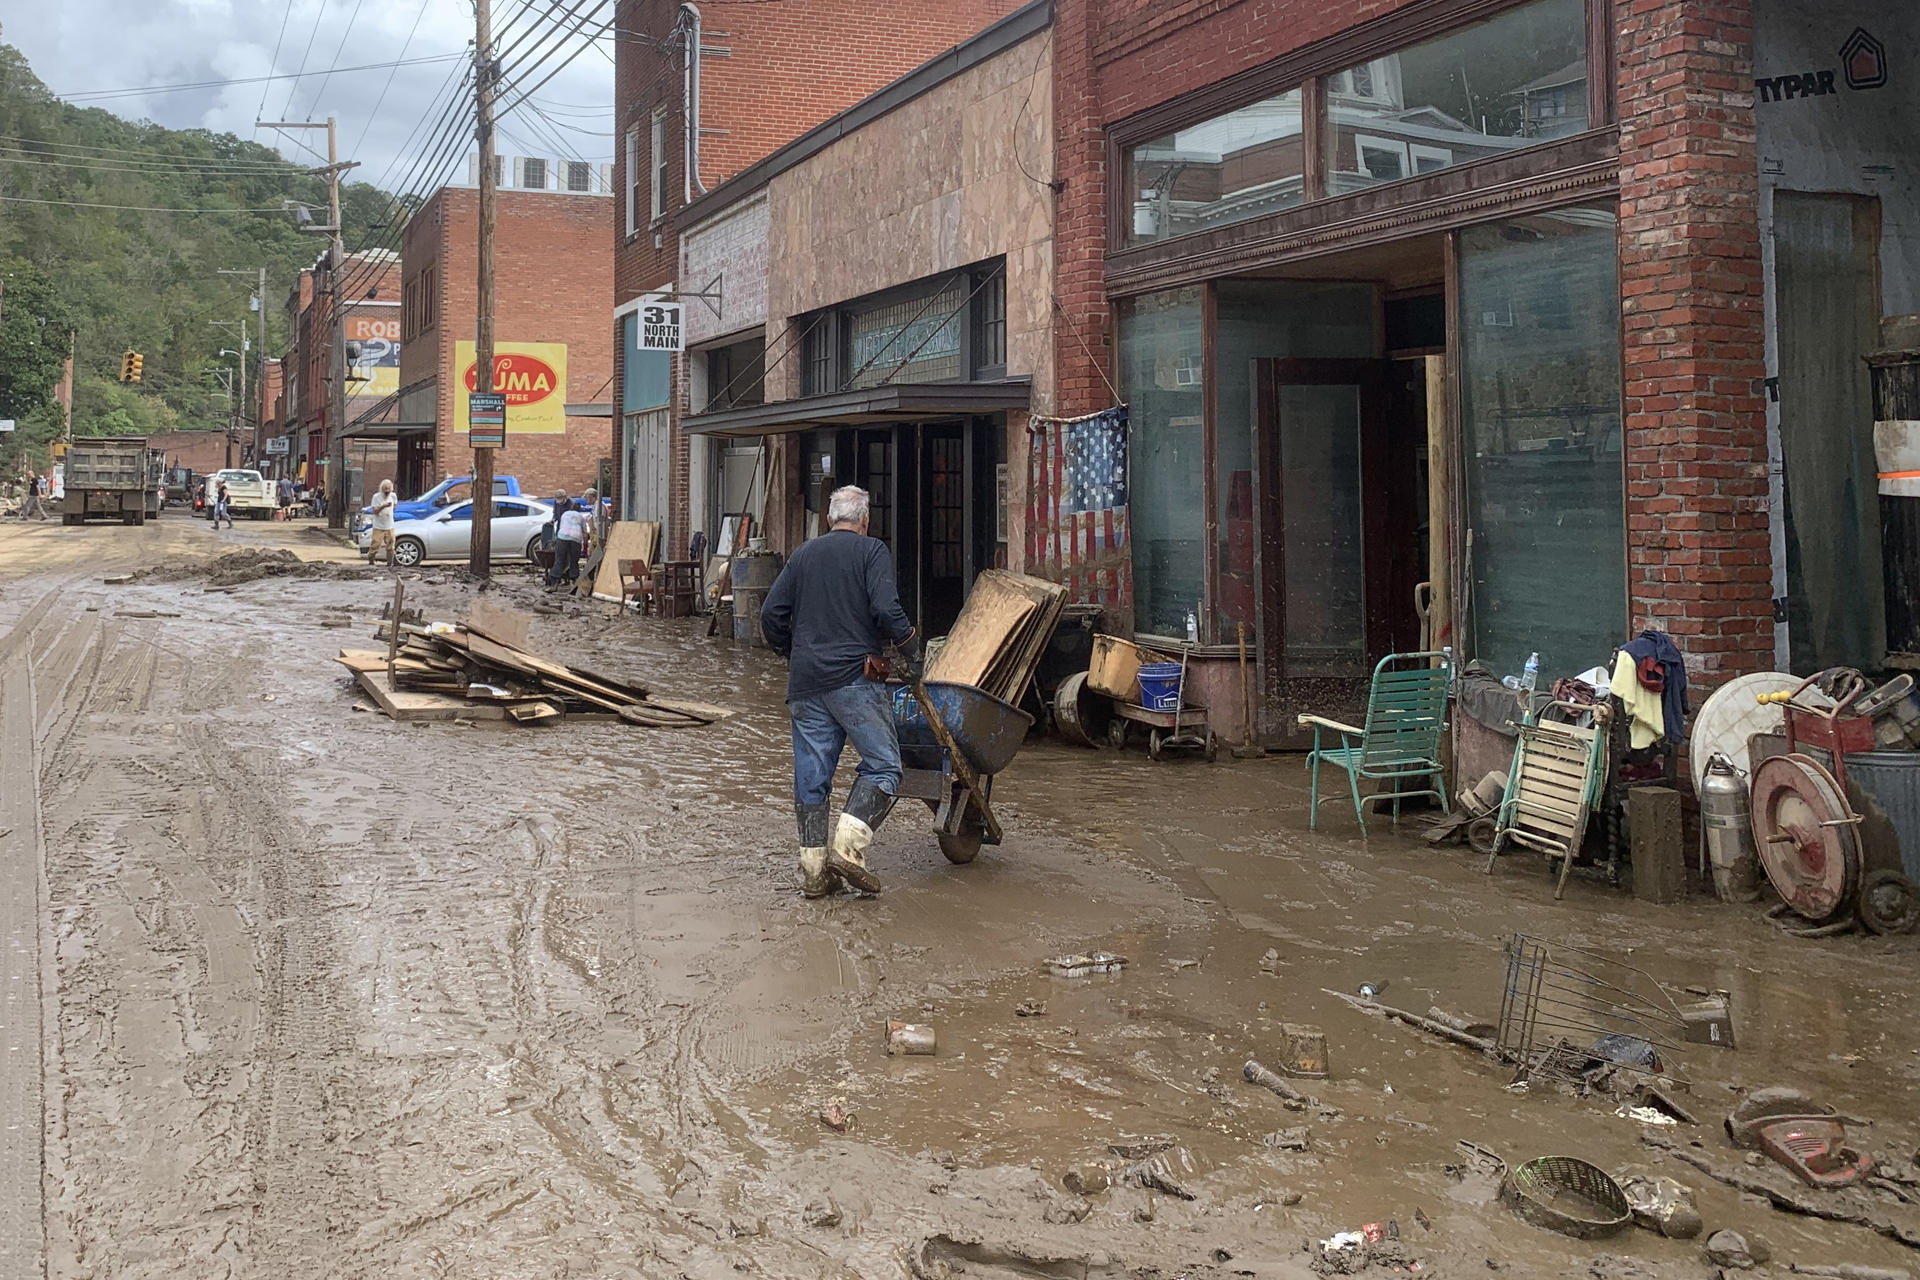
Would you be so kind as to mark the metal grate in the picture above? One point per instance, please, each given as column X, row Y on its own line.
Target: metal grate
column 1572, row 1014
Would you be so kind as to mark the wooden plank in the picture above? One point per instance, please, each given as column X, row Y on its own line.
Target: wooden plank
column 552, row 673
column 358, row 660
column 405, row 704
column 534, row 712
column 499, row 622
column 706, row 711
column 626, row 540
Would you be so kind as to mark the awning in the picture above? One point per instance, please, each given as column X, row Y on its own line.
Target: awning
column 895, row 403
column 386, row 430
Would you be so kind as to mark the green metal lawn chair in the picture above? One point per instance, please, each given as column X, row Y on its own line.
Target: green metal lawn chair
column 1406, row 712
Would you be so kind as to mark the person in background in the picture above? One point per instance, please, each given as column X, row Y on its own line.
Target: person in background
column 286, row 498
column 381, row 537
column 833, row 611
column 569, row 541
column 220, row 509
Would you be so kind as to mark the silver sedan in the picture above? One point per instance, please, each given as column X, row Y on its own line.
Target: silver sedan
column 448, row 535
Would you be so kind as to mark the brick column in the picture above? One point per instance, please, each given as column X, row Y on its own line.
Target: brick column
column 1692, row 307
column 1080, row 217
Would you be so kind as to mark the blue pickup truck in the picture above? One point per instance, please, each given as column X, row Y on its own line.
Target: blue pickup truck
column 449, row 492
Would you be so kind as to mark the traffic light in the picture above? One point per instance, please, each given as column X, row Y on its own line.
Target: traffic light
column 135, row 361
column 126, row 367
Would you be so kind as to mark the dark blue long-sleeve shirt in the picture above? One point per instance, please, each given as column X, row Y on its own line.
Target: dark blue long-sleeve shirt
column 833, row 605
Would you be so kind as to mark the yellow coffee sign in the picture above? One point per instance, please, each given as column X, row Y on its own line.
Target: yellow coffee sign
column 531, row 375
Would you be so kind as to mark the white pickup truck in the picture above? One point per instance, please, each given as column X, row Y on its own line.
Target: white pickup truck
column 247, row 492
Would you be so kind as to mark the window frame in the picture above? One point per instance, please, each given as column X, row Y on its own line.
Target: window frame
column 657, row 165
column 1309, row 70
column 632, row 158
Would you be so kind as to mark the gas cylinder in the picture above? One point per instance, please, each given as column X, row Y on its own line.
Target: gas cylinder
column 1727, row 830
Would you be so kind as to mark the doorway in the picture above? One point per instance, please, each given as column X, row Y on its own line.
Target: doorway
column 1338, row 513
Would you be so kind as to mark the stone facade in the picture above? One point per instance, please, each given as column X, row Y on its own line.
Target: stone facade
column 726, row 254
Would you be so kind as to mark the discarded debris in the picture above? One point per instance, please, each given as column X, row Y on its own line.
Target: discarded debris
column 1849, row 1271
column 1349, row 1253
column 1662, row 1204
column 1064, row 1212
column 910, row 1039
column 836, row 1115
column 1372, row 990
column 1079, row 966
column 821, row 1213
column 1644, row 1115
column 1731, row 1249
column 1290, row 1097
column 1088, row 1178
column 1166, row 1172
column 1306, row 1051
column 1434, row 1027
column 1296, row 1139
column 1270, row 961
column 1030, row 1009
column 1853, row 1205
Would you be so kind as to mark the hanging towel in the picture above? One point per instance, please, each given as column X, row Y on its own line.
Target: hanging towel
column 1644, row 713
column 1658, row 646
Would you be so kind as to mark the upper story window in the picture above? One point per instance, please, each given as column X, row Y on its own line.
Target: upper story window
column 419, row 302
column 659, row 165
column 533, row 174
column 1478, row 92
column 951, row 328
column 737, row 375
column 632, row 159
column 1513, row 81
column 579, row 175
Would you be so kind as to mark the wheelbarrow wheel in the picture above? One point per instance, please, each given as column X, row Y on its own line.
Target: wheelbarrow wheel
column 1153, row 745
column 1117, row 733
column 1212, row 751
column 960, row 849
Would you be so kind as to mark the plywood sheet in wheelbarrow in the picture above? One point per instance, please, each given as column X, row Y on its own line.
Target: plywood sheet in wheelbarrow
column 1001, row 630
column 626, row 540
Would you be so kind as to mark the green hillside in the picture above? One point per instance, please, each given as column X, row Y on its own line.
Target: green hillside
column 118, row 279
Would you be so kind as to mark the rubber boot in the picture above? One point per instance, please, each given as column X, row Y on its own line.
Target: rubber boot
column 867, row 807
column 817, row 881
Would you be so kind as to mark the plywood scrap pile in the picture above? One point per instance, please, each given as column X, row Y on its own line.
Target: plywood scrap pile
column 483, row 670
column 1000, row 635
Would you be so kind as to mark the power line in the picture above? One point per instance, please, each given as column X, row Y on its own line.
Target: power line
column 92, row 95
column 100, row 165
column 286, row 111
column 138, row 208
column 377, row 102
column 77, row 149
column 273, row 63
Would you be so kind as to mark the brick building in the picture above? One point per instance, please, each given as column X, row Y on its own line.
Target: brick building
column 370, row 294
column 1379, row 323
column 886, row 284
column 201, row 452
column 553, row 274
column 269, row 404
column 723, row 84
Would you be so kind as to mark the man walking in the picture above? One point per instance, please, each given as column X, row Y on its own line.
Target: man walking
column 569, row 540
column 831, row 613
column 220, row 508
column 381, row 538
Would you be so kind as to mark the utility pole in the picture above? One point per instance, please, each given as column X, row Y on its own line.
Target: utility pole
column 480, row 549
column 259, row 301
column 337, row 359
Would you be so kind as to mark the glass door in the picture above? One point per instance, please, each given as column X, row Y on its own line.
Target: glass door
column 1325, row 511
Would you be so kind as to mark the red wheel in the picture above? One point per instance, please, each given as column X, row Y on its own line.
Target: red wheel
column 1801, row 827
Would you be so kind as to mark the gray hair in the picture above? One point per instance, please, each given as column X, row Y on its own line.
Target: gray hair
column 847, row 505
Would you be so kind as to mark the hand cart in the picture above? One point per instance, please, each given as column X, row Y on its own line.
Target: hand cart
column 1184, row 726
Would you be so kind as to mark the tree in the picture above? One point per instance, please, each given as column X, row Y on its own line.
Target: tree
column 34, row 329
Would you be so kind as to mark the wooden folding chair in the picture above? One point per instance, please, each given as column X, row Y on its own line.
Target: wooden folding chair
column 636, row 584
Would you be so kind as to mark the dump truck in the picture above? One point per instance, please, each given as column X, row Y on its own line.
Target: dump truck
column 108, row 477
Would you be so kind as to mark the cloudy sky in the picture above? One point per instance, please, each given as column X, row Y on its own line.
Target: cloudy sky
column 80, row 48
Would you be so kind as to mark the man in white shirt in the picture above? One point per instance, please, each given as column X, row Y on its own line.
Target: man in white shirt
column 384, row 501
column 569, row 542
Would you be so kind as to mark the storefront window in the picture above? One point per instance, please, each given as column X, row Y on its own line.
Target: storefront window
column 1510, row 82
column 1161, row 373
column 1228, row 169
column 1266, row 319
column 1540, row 439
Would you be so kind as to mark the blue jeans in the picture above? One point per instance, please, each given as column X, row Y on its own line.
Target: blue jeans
column 823, row 723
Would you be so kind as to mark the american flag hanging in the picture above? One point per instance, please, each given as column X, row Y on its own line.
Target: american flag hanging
column 1077, row 506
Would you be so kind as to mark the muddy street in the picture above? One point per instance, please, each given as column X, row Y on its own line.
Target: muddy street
column 292, row 990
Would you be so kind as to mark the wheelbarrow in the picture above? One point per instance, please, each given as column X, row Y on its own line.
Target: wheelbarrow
column 953, row 739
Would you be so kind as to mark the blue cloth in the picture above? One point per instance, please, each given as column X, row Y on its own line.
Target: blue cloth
column 832, row 606
column 823, row 723
column 1659, row 646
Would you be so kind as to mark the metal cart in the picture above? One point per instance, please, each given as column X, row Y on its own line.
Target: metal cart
column 953, row 739
column 1183, row 727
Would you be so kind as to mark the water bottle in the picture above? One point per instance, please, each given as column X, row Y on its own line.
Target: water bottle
column 1531, row 675
column 1193, row 628
column 1447, row 649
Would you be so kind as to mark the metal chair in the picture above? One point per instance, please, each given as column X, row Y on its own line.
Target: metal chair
column 1406, row 714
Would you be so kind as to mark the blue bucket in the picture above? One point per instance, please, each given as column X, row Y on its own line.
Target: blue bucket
column 1160, row 686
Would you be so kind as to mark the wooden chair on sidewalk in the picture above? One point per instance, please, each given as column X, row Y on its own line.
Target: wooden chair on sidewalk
column 636, row 584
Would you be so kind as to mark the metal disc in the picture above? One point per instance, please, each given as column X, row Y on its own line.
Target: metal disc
column 1814, row 867
column 1730, row 715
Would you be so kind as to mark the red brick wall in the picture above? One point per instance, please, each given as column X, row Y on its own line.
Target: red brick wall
column 553, row 278
column 1698, row 556
column 790, row 66
column 204, row 452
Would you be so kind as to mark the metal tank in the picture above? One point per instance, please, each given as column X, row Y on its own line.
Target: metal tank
column 1727, row 830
